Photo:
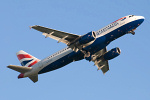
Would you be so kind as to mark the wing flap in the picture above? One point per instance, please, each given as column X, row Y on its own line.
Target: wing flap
column 102, row 65
column 56, row 34
column 20, row 69
column 56, row 38
column 105, row 68
column 100, row 62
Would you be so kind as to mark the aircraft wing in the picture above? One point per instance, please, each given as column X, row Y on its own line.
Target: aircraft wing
column 100, row 62
column 55, row 34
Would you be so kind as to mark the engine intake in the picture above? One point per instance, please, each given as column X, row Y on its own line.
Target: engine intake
column 112, row 54
column 87, row 38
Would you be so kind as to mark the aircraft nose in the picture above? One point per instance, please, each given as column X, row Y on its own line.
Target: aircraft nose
column 141, row 19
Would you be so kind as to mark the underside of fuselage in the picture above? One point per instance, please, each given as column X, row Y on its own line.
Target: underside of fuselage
column 90, row 46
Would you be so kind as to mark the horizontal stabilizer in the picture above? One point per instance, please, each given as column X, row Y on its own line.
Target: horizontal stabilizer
column 20, row 69
column 34, row 78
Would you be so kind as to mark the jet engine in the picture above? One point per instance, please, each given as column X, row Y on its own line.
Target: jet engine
column 112, row 54
column 82, row 42
column 87, row 38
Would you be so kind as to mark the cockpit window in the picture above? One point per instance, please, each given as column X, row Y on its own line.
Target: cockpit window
column 131, row 16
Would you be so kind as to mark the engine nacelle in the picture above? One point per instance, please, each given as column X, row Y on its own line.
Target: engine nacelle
column 112, row 54
column 87, row 38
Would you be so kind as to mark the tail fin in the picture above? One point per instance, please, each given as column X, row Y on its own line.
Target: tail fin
column 26, row 59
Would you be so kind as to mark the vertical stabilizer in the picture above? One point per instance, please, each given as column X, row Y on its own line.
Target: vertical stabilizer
column 26, row 59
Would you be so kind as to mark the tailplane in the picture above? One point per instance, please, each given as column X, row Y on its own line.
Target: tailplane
column 20, row 69
column 26, row 59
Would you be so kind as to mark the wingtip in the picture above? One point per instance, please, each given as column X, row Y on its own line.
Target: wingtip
column 9, row 66
column 32, row 26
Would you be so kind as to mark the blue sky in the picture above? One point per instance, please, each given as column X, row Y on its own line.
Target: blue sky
column 128, row 78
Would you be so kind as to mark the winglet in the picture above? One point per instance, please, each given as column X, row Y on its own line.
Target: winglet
column 33, row 26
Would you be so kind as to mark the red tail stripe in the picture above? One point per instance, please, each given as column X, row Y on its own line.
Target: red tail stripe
column 21, row 56
column 33, row 63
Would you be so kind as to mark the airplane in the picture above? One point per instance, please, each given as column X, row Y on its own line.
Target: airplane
column 90, row 46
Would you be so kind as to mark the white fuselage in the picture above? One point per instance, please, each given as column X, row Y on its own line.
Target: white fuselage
column 64, row 52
